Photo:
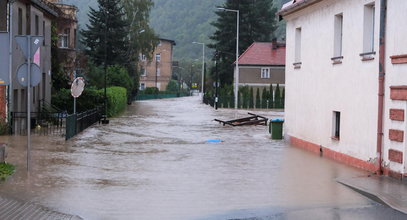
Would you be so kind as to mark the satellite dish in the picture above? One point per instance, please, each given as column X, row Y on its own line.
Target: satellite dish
column 77, row 87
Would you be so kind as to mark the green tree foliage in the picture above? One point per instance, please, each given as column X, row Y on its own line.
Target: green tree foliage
column 116, row 100
column 257, row 23
column 106, row 37
column 172, row 86
column 142, row 38
column 168, row 20
column 258, row 101
column 277, row 97
column 264, row 96
column 251, row 97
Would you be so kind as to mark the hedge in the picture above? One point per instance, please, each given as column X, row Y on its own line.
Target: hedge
column 116, row 100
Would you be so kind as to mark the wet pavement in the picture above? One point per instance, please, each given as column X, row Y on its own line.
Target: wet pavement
column 154, row 162
column 386, row 190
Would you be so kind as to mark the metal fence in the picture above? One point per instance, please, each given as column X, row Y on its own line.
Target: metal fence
column 158, row 96
column 76, row 123
column 244, row 103
column 42, row 123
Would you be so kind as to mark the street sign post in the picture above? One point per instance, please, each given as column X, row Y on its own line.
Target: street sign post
column 76, row 90
column 29, row 74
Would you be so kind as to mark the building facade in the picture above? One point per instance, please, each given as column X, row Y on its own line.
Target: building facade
column 32, row 18
column 158, row 71
column 262, row 64
column 66, row 28
column 346, row 87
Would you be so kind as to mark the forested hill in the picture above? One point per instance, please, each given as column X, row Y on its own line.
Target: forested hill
column 184, row 21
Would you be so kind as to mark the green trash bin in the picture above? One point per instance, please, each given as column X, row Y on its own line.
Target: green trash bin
column 276, row 129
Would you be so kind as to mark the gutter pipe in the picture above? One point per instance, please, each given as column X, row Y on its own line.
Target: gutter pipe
column 382, row 73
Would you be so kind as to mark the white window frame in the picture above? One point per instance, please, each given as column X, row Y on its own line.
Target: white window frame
column 298, row 33
column 142, row 86
column 158, row 71
column 369, row 28
column 64, row 39
column 158, row 57
column 265, row 73
column 143, row 57
column 143, row 71
column 338, row 35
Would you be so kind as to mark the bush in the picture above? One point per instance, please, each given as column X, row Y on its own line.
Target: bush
column 6, row 170
column 116, row 100
column 151, row 91
column 172, row 87
column 90, row 98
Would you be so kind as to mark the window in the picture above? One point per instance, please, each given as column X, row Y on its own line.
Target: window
column 336, row 125
column 297, row 57
column 142, row 86
column 37, row 25
column 158, row 71
column 143, row 71
column 20, row 21
column 143, row 57
column 368, row 28
column 338, row 35
column 64, row 38
column 265, row 73
column 158, row 57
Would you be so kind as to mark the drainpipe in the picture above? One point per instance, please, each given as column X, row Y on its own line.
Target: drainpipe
column 382, row 73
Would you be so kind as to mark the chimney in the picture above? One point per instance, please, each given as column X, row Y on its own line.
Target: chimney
column 274, row 43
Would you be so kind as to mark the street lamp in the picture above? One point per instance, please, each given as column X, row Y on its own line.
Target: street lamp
column 203, row 66
column 237, row 53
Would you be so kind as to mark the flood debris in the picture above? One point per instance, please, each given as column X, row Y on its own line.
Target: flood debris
column 252, row 120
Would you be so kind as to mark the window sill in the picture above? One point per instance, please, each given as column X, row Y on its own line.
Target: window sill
column 337, row 60
column 368, row 56
column 297, row 65
column 335, row 138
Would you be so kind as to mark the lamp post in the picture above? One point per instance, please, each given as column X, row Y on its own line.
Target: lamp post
column 237, row 53
column 203, row 66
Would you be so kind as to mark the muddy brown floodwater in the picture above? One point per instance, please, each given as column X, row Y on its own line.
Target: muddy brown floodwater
column 154, row 162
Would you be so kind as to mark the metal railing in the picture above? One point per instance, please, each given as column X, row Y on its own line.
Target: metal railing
column 49, row 123
column 76, row 123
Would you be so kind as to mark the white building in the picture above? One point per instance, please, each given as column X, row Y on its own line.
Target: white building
column 334, row 69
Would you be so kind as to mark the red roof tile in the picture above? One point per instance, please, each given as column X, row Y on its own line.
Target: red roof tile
column 262, row 53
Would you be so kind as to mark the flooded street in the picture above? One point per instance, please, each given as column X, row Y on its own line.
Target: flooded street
column 154, row 162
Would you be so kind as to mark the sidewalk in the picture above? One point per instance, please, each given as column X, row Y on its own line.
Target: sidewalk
column 11, row 209
column 382, row 189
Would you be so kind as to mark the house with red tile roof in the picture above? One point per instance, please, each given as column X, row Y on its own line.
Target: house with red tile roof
column 262, row 64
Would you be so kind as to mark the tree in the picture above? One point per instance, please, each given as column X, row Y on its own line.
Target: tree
column 264, row 96
column 258, row 101
column 106, row 37
column 257, row 23
column 277, row 98
column 141, row 37
column 251, row 97
column 172, row 86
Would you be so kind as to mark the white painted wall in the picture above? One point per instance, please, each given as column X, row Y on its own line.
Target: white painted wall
column 396, row 74
column 318, row 88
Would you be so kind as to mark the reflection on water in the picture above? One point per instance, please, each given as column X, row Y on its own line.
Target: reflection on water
column 154, row 162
